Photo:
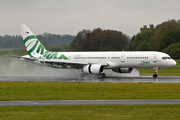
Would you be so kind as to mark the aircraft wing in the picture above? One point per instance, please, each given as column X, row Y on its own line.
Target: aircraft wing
column 21, row 57
column 59, row 62
column 72, row 63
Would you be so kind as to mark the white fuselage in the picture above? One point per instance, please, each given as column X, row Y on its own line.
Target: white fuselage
column 145, row 59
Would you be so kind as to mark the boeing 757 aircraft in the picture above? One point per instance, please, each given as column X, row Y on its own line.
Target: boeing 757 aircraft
column 92, row 62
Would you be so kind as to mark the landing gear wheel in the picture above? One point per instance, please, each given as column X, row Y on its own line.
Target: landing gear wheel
column 155, row 72
column 103, row 75
column 155, row 75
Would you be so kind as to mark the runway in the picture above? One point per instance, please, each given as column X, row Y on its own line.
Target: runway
column 113, row 79
column 88, row 102
column 31, row 72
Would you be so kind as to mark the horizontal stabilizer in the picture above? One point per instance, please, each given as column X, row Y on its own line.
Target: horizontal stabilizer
column 26, row 58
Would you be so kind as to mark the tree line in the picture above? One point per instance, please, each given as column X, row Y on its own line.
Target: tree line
column 164, row 37
column 47, row 39
column 99, row 40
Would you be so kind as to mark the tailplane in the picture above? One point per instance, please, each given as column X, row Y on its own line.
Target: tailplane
column 32, row 44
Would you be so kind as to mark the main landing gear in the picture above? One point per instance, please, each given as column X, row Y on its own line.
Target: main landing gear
column 103, row 75
column 155, row 72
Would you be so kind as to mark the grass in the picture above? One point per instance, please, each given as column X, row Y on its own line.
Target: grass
column 87, row 91
column 14, row 52
column 92, row 112
column 71, row 91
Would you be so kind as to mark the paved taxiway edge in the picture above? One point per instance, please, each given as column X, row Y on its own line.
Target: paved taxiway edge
column 90, row 102
column 110, row 79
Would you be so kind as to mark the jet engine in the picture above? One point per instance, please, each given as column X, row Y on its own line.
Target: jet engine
column 122, row 70
column 93, row 69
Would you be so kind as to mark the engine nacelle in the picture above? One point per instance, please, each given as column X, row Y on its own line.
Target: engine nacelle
column 123, row 70
column 93, row 69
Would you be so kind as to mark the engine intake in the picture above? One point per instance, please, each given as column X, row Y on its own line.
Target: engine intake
column 123, row 70
column 93, row 69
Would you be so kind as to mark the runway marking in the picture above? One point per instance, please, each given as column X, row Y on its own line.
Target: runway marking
column 90, row 102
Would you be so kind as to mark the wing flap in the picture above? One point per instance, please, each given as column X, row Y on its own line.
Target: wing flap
column 72, row 63
column 61, row 62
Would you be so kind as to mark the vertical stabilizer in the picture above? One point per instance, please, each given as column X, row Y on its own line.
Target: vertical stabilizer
column 32, row 44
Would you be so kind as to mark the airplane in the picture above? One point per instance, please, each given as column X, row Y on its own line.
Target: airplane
column 92, row 62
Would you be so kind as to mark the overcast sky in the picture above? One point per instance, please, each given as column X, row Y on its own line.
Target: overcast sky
column 72, row 16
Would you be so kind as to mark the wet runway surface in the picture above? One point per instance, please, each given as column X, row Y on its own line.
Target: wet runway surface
column 88, row 102
column 114, row 79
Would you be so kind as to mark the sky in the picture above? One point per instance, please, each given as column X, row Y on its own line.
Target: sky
column 71, row 16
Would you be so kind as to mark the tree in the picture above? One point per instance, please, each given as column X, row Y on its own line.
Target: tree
column 78, row 39
column 173, row 50
column 178, row 21
column 102, row 40
column 141, row 40
column 169, row 38
column 161, row 30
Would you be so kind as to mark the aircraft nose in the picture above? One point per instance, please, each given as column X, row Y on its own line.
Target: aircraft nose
column 173, row 63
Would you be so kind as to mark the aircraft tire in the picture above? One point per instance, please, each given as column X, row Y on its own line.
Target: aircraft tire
column 155, row 75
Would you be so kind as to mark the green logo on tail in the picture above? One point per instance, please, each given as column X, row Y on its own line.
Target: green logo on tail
column 39, row 48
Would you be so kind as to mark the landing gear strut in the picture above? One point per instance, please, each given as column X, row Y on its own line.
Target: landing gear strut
column 103, row 75
column 155, row 72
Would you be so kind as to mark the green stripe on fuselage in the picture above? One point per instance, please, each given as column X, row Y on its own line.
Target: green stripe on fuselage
column 46, row 53
column 50, row 55
column 53, row 55
column 63, row 57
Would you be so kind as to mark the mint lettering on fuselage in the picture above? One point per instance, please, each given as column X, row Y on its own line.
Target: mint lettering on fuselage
column 145, row 63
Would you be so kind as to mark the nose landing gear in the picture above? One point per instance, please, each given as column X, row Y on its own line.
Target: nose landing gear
column 155, row 72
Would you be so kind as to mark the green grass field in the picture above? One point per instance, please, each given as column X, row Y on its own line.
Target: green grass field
column 87, row 91
column 14, row 52
column 91, row 112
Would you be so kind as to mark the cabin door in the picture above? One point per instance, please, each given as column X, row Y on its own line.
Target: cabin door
column 155, row 59
column 123, row 59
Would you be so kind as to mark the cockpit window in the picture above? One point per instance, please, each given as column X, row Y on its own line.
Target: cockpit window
column 164, row 58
